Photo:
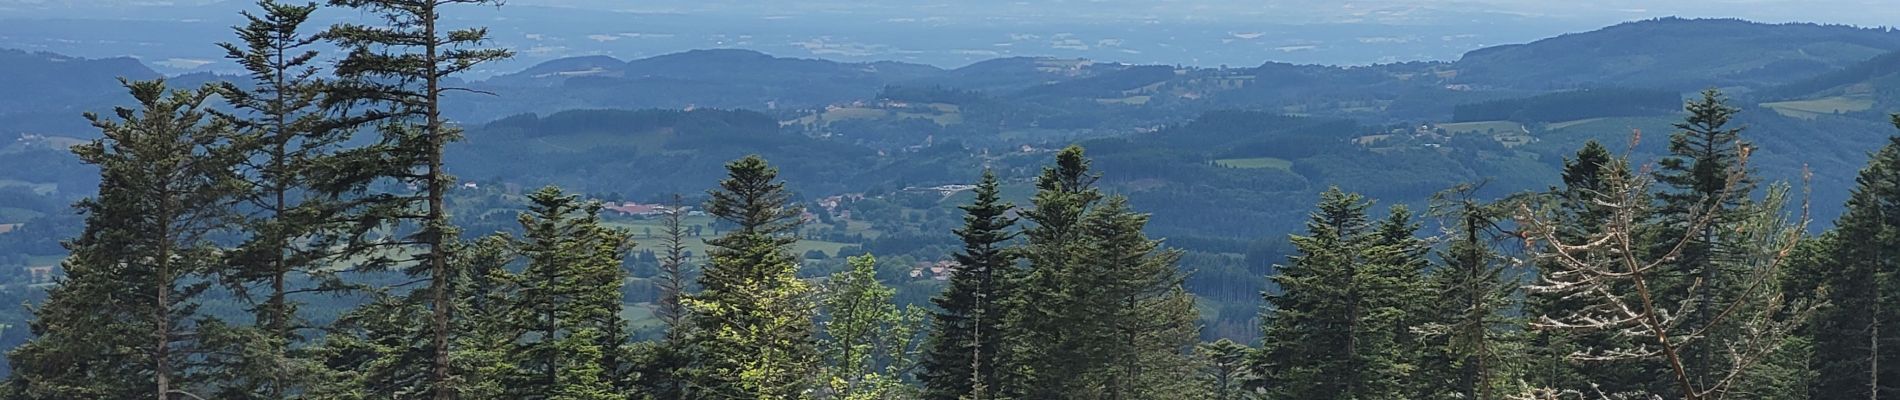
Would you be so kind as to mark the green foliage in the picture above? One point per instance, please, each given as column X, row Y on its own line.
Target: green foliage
column 290, row 139
column 870, row 344
column 1100, row 312
column 118, row 324
column 565, row 307
column 964, row 347
column 752, row 319
column 1858, row 270
column 1333, row 328
column 400, row 69
column 1473, row 344
column 1572, row 105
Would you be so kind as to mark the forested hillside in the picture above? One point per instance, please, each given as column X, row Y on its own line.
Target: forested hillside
column 1671, row 208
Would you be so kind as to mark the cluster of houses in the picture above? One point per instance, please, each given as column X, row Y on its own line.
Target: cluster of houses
column 939, row 270
column 648, row 210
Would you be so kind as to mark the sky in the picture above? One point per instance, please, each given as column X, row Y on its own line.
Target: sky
column 173, row 34
column 1854, row 12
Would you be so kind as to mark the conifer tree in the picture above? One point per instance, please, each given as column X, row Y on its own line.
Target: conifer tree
column 567, row 300
column 963, row 351
column 487, row 328
column 1704, row 175
column 662, row 372
column 1856, row 350
column 1148, row 323
column 1224, row 369
column 402, row 68
column 674, row 270
column 119, row 324
column 1552, row 352
column 1331, row 329
column 1476, row 348
column 1100, row 313
column 1622, row 292
column 752, row 319
column 1041, row 360
column 287, row 134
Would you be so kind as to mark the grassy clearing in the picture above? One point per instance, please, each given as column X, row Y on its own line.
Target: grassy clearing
column 1811, row 109
column 1566, row 124
column 1256, row 163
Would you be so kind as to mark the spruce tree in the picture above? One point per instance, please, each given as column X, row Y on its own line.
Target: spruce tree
column 1100, row 313
column 1476, row 349
column 963, row 351
column 403, row 69
column 487, row 330
column 287, row 134
column 1856, row 352
column 1332, row 327
column 1704, row 177
column 752, row 319
column 1224, row 369
column 1041, row 359
column 567, row 302
column 662, row 372
column 119, row 325
column 1148, row 322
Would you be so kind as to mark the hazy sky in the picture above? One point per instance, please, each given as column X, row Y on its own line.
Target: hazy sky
column 1857, row 12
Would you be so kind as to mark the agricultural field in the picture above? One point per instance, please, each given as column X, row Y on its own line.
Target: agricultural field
column 1256, row 163
column 1811, row 109
column 1566, row 124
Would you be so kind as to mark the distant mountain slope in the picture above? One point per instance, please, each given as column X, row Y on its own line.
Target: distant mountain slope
column 1675, row 53
column 1016, row 73
column 1870, row 87
column 721, row 78
column 645, row 151
column 48, row 91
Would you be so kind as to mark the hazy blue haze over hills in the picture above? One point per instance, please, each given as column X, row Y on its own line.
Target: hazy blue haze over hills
column 174, row 35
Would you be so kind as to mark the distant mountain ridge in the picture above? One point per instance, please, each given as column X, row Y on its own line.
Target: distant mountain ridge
column 1676, row 53
column 48, row 91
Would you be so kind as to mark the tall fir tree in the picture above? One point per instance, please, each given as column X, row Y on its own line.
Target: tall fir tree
column 752, row 319
column 964, row 348
column 1147, row 323
column 662, row 372
column 1332, row 328
column 1704, row 177
column 1856, row 350
column 1100, row 313
column 1476, row 350
column 403, row 68
column 1040, row 360
column 567, row 302
column 120, row 324
column 289, row 135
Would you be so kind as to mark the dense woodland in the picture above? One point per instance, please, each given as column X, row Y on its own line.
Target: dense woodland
column 297, row 236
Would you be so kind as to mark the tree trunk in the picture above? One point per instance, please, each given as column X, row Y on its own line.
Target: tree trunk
column 438, row 218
